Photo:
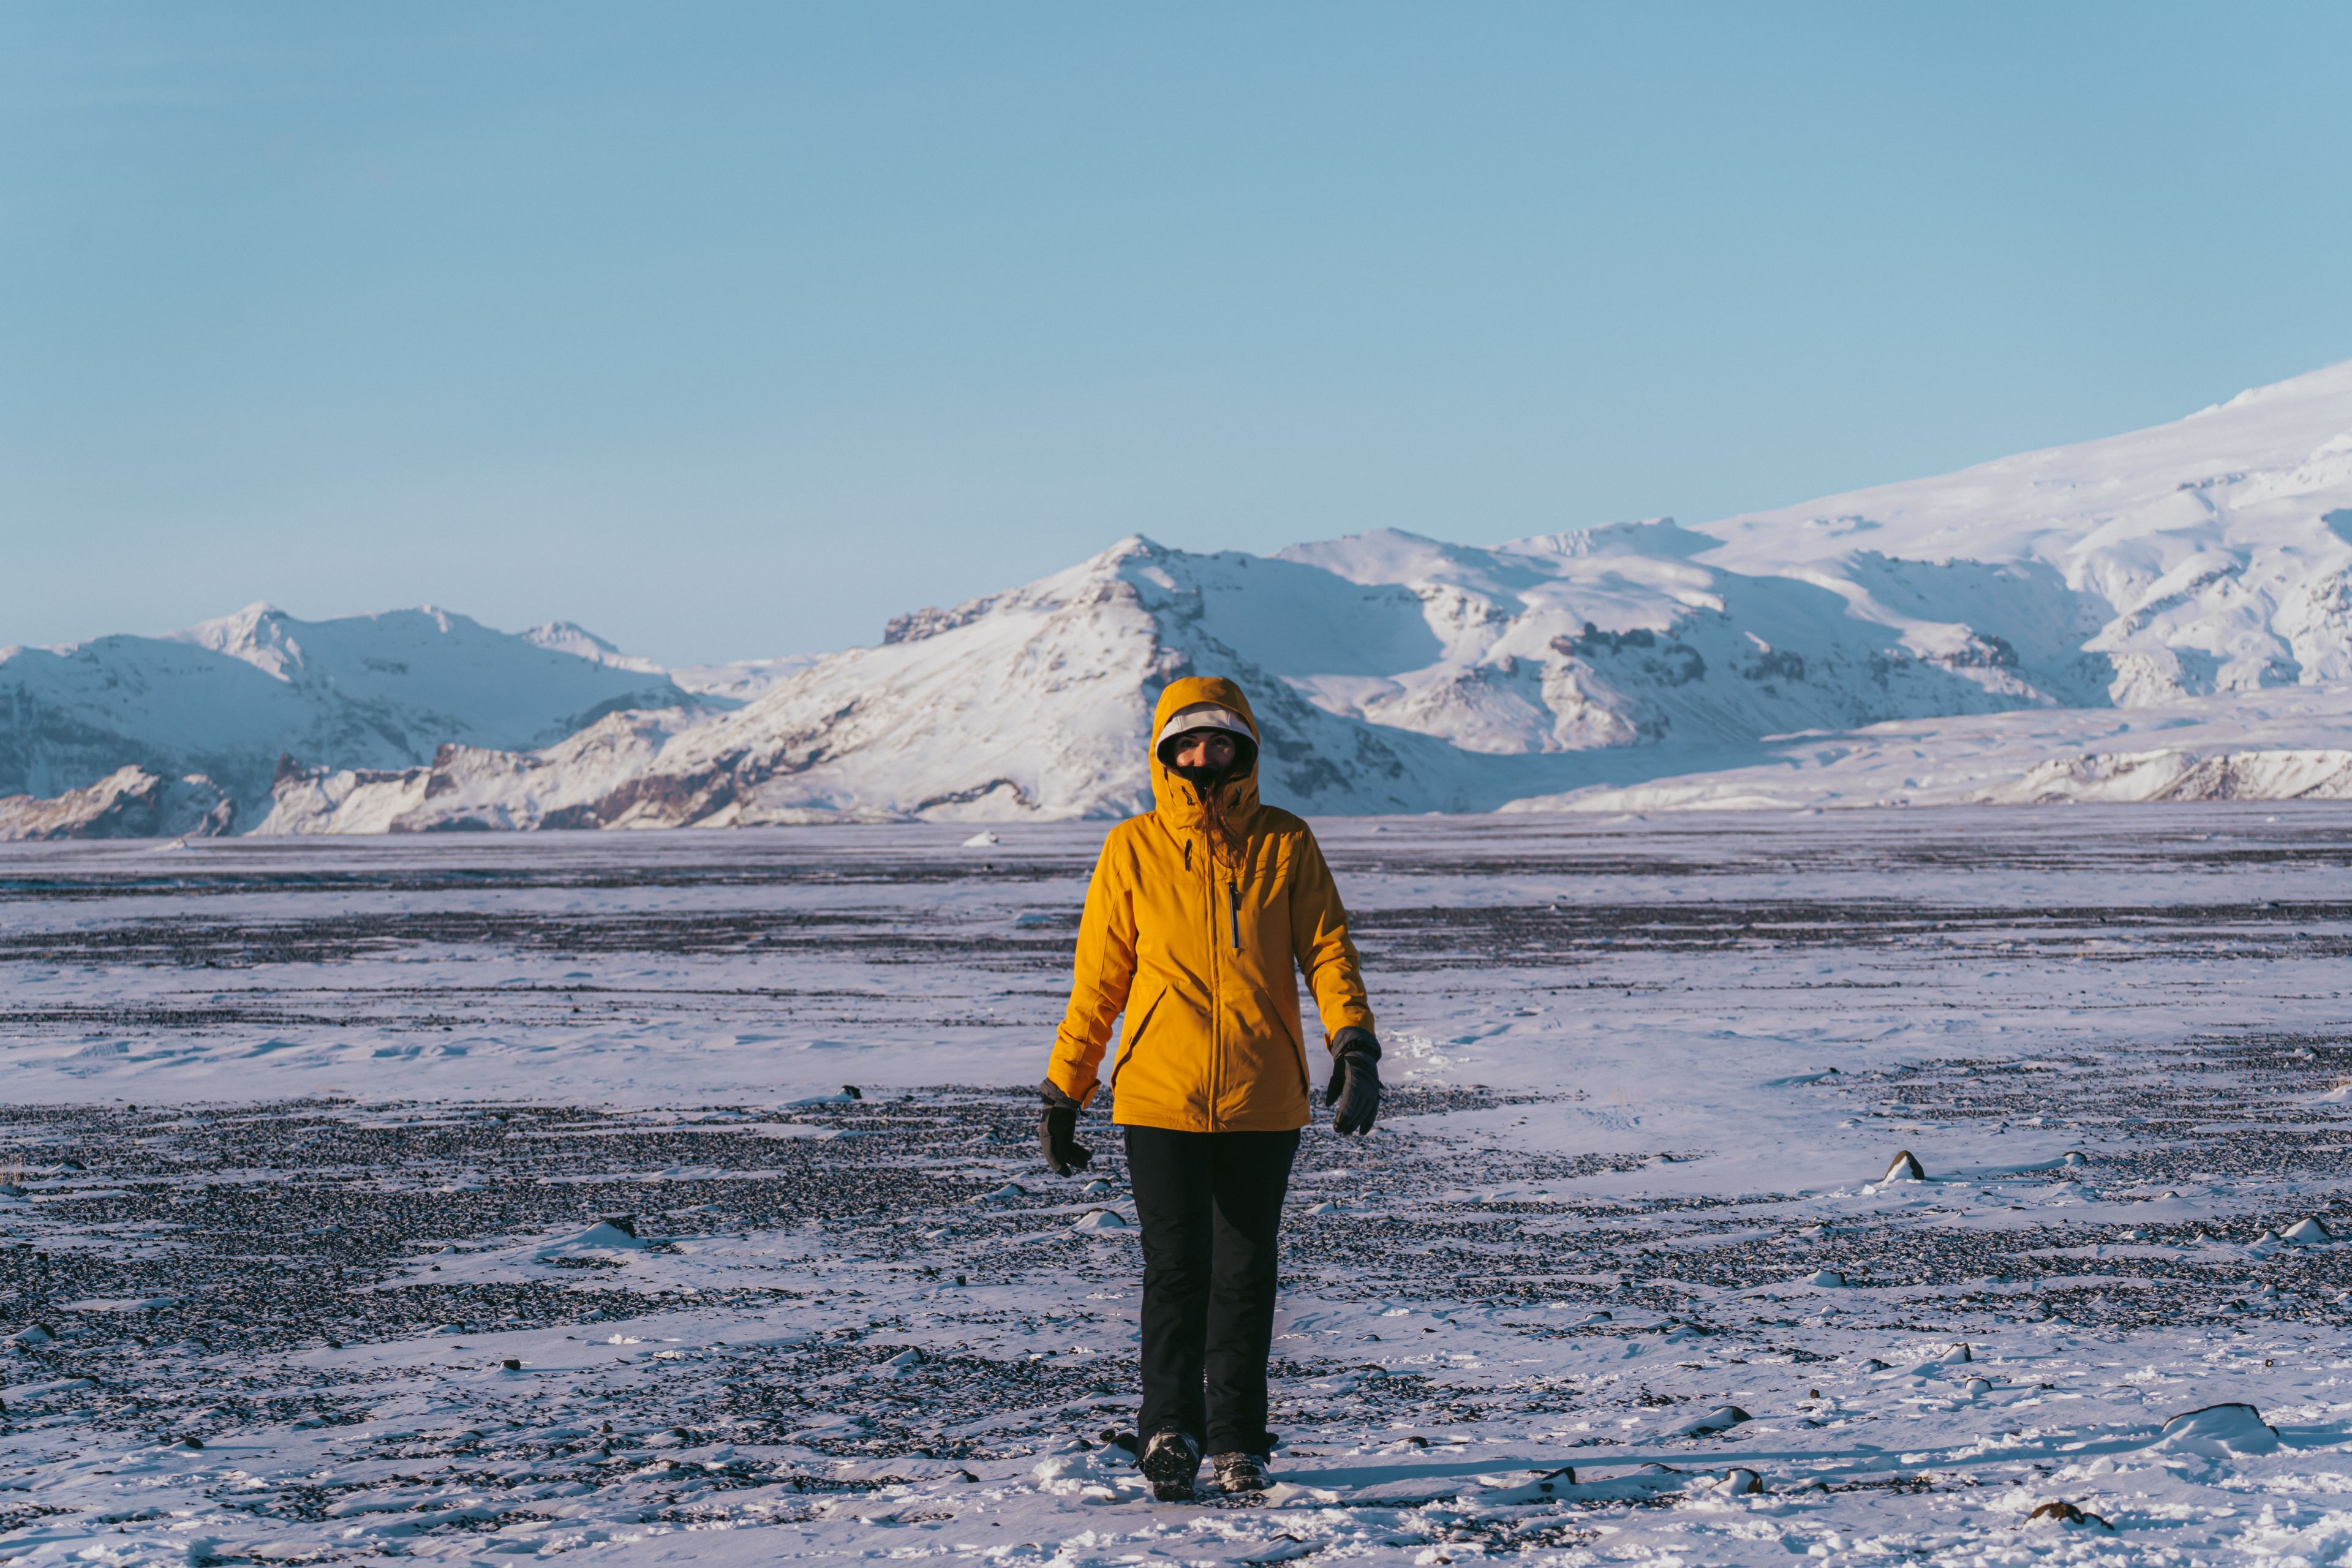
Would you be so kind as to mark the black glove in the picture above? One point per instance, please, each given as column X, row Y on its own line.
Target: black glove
column 1355, row 1086
column 1057, row 1133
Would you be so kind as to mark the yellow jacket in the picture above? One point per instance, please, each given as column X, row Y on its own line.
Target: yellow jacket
column 1199, row 954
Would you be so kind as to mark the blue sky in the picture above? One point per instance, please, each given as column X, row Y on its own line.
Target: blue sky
column 733, row 330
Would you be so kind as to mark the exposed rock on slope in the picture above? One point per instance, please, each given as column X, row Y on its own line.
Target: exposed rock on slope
column 130, row 803
column 1626, row 636
column 473, row 787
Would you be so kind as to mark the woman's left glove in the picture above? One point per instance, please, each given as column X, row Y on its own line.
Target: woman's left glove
column 1057, row 1133
column 1354, row 1091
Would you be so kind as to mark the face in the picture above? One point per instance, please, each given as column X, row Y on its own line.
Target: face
column 1205, row 749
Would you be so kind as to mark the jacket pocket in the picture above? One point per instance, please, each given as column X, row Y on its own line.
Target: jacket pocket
column 1131, row 1038
column 1297, row 1046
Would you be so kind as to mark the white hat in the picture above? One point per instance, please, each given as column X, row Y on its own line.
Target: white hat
column 1203, row 716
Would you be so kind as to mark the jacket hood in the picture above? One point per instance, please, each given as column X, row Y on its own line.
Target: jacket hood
column 1170, row 794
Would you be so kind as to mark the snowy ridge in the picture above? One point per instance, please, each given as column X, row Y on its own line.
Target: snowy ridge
column 570, row 637
column 1624, row 635
column 477, row 787
column 719, row 685
column 2212, row 551
column 724, row 685
column 227, row 698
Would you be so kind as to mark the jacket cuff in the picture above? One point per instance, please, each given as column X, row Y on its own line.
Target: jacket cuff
column 1356, row 1041
column 1056, row 1098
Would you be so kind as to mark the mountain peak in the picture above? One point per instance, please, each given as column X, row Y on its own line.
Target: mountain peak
column 258, row 635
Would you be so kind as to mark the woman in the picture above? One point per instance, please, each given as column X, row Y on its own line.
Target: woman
column 1197, row 913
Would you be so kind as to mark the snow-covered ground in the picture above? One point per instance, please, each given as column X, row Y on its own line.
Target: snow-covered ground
column 316, row 1145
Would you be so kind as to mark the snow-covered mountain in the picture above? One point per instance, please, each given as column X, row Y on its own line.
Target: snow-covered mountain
column 2211, row 553
column 1030, row 702
column 1399, row 673
column 1394, row 672
column 227, row 698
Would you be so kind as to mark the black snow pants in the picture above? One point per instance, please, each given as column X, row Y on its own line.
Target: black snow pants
column 1209, row 1204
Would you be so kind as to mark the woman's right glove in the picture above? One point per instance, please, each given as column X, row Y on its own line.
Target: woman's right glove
column 1057, row 1133
column 1354, row 1091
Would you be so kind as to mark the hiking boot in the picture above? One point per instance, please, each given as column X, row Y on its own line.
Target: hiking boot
column 1170, row 1460
column 1240, row 1472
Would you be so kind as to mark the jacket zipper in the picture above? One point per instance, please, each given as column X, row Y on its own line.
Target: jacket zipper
column 1216, row 986
column 1233, row 905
